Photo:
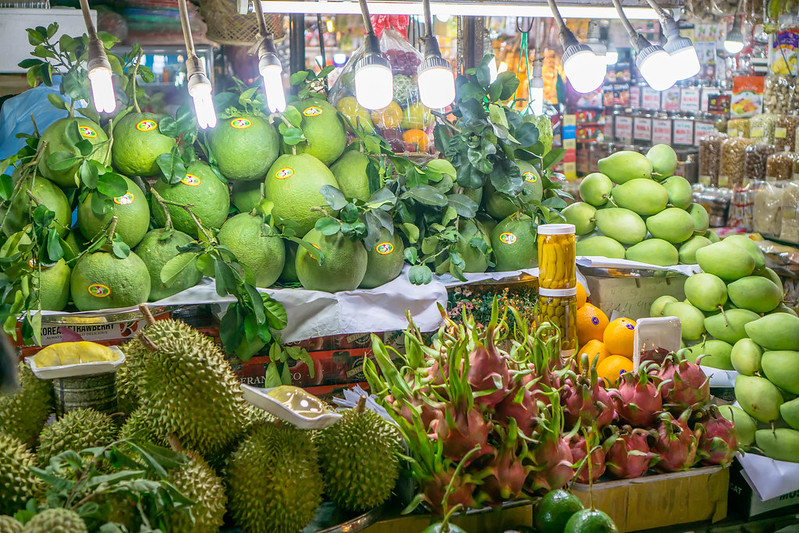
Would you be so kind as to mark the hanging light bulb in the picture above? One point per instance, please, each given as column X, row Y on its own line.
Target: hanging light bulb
column 436, row 83
column 537, row 86
column 653, row 62
column 269, row 64
column 684, row 61
column 374, row 82
column 99, row 68
column 584, row 69
column 734, row 41
column 199, row 85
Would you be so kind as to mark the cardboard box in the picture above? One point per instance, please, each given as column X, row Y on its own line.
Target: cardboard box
column 662, row 500
column 632, row 296
column 746, row 504
column 510, row 516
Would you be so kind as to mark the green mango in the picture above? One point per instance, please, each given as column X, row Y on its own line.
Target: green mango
column 654, row 252
column 745, row 427
column 782, row 369
column 749, row 245
column 706, row 291
column 777, row 331
column 745, row 356
column 624, row 166
column 725, row 260
column 755, row 293
column 781, row 444
column 758, row 397
column 714, row 353
column 782, row 308
column 700, row 216
column 580, row 214
column 729, row 325
column 602, row 246
column 657, row 307
column 773, row 276
column 621, row 224
column 663, row 159
column 680, row 192
column 673, row 224
column 688, row 249
column 595, row 189
column 643, row 196
column 691, row 318
column 712, row 235
column 790, row 413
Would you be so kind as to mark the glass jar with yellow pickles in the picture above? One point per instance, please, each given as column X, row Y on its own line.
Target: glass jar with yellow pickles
column 559, row 307
column 556, row 256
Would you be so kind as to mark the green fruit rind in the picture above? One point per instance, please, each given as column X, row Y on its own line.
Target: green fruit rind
column 384, row 260
column 595, row 189
column 200, row 188
column 624, row 166
column 729, row 325
column 76, row 430
column 790, row 413
column 758, row 397
column 245, row 146
column 777, row 331
column 24, row 412
column 620, row 224
column 255, row 246
column 590, row 521
column 706, row 291
column 17, row 483
column 103, row 281
column 600, row 245
column 555, row 509
column 745, row 426
column 514, row 243
column 56, row 520
column 781, row 444
column 781, row 367
column 138, row 143
column 344, row 264
column 132, row 212
column 727, row 261
column 156, row 249
column 745, row 357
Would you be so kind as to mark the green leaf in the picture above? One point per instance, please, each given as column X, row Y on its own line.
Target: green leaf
column 427, row 195
column 276, row 315
column 173, row 268
column 349, row 214
column 54, row 250
column 119, row 248
column 100, row 204
column 450, row 214
column 52, row 28
column 327, row 226
column 312, row 250
column 72, row 133
column 90, row 113
column 88, row 174
column 272, row 376
column 31, row 62
column 420, row 275
column 465, row 206
column 526, row 134
column 146, row 74
column 61, row 160
column 509, row 82
column 553, row 157
column 85, row 147
column 112, row 185
column 555, row 202
column 257, row 303
column 293, row 136
column 411, row 231
column 35, row 37
column 108, row 39
column 333, row 196
column 442, row 166
column 297, row 77
column 411, row 254
column 293, row 116
column 42, row 216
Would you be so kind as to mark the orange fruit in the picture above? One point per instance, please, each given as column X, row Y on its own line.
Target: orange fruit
column 416, row 140
column 582, row 297
column 619, row 336
column 591, row 323
column 388, row 118
column 612, row 367
column 594, row 349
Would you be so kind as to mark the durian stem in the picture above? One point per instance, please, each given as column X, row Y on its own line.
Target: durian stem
column 148, row 343
column 174, row 443
column 361, row 404
column 148, row 316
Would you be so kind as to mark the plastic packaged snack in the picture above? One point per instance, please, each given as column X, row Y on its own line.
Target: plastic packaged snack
column 741, row 208
column 709, row 158
column 755, row 161
column 762, row 127
column 738, row 127
column 731, row 169
column 778, row 94
column 785, row 132
column 789, row 210
column 779, row 166
column 767, row 209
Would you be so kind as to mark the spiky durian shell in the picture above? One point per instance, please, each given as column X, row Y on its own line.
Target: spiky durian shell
column 138, row 426
column 9, row 525
column 17, row 483
column 56, row 521
column 274, row 483
column 78, row 429
column 358, row 457
column 200, row 483
column 24, row 412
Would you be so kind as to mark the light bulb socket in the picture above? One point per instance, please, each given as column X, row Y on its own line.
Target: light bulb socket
column 97, row 55
column 267, row 55
column 195, row 74
column 373, row 58
column 674, row 42
column 643, row 53
column 371, row 44
column 431, row 48
column 538, row 72
column 573, row 49
column 433, row 61
column 567, row 39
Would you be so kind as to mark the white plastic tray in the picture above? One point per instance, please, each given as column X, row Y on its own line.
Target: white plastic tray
column 80, row 369
column 656, row 332
column 259, row 398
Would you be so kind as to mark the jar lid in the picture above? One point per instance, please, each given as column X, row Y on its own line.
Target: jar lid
column 556, row 229
column 557, row 293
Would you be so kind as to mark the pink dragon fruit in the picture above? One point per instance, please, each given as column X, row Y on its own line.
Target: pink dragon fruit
column 630, row 456
column 488, row 371
column 684, row 385
column 553, row 464
column 520, row 406
column 578, row 449
column 505, row 479
column 718, row 443
column 462, row 433
column 637, row 399
column 677, row 444
column 585, row 400
column 462, row 493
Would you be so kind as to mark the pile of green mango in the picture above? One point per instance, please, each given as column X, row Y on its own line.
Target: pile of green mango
column 635, row 208
column 734, row 315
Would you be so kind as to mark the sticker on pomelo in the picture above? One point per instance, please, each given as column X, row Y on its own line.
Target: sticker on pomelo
column 146, row 125
column 87, row 132
column 530, row 177
column 284, row 173
column 384, row 248
column 312, row 111
column 125, row 199
column 33, row 263
column 191, row 180
column 507, row 237
column 98, row 290
column 240, row 123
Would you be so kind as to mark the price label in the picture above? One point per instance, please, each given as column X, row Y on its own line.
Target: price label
column 724, row 181
column 780, row 133
column 650, row 98
column 689, row 100
column 635, row 97
column 624, row 129
column 661, row 131
column 642, row 129
column 670, row 99
column 702, row 129
column 684, row 132
column 756, row 133
column 607, row 128
column 732, row 132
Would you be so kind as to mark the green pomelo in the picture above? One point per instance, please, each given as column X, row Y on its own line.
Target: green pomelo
column 688, row 249
column 325, row 134
column 643, row 196
column 56, row 138
column 200, row 188
column 782, row 369
column 660, row 303
column 749, row 245
column 554, row 510
column 245, row 146
column 700, row 216
column 622, row 225
column 725, row 260
column 289, row 273
column 255, row 245
column 653, row 252
column 777, row 331
column 500, row 206
column 673, row 224
column 691, row 318
column 47, row 194
column 755, row 293
column 476, row 195
column 488, row 222
column 624, row 166
column 137, row 144
column 781, row 444
column 590, row 521
column 680, row 193
column 131, row 210
column 475, row 259
column 758, row 397
column 729, row 325
column 790, row 413
column 515, row 244
column 54, row 286
column 156, row 249
column 246, row 195
column 342, row 269
column 713, row 236
column 663, row 159
column 581, row 215
column 75, row 241
column 595, row 189
column 384, row 260
column 706, row 291
column 745, row 427
column 773, row 276
column 101, row 280
column 293, row 185
column 350, row 173
column 600, row 246
column 745, row 357
column 714, row 353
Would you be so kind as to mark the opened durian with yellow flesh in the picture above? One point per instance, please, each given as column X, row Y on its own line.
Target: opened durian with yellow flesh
column 73, row 353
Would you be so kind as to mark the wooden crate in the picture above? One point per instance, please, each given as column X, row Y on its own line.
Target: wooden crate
column 662, row 500
column 511, row 515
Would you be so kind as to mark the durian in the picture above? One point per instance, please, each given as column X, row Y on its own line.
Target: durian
column 9, row 525
column 56, row 521
column 199, row 483
column 24, row 412
column 77, row 430
column 17, row 483
column 358, row 457
column 137, row 426
column 274, row 483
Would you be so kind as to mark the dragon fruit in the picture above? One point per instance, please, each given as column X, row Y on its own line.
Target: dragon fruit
column 503, row 479
column 553, row 464
column 676, row 444
column 578, row 449
column 584, row 400
column 637, row 399
column 629, row 455
column 521, row 407
column 718, row 443
column 461, row 433
column 684, row 385
column 436, row 488
column 488, row 371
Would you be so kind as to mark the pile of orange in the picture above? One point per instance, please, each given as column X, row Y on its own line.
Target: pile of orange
column 608, row 344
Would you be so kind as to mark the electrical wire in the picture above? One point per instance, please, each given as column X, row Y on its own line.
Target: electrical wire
column 624, row 20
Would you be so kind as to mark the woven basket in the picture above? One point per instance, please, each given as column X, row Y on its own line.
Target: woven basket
column 227, row 26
